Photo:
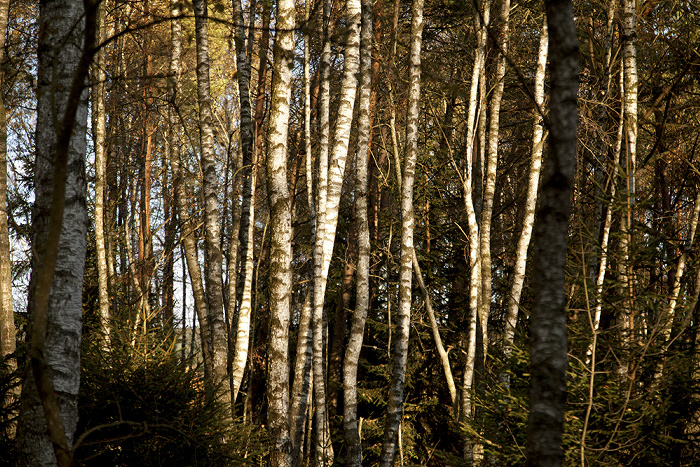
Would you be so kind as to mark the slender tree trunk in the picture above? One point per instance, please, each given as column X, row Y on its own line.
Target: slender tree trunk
column 187, row 227
column 302, row 384
column 7, row 315
column 629, row 60
column 327, row 221
column 474, row 237
column 490, row 182
column 400, row 357
column 280, row 282
column 99, row 136
column 49, row 401
column 213, row 264
column 531, row 198
column 548, row 344
column 359, row 317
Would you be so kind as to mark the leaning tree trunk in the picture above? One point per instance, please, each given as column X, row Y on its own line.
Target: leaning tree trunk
column 280, row 281
column 213, row 259
column 49, row 401
column 400, row 357
column 548, row 351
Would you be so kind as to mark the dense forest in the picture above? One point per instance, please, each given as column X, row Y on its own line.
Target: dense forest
column 325, row 232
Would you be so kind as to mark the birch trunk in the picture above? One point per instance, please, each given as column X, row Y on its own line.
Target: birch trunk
column 548, row 344
column 302, row 385
column 530, row 200
column 357, row 327
column 327, row 221
column 474, row 246
column 629, row 59
column 213, row 258
column 490, row 181
column 280, row 282
column 400, row 356
column 99, row 133
column 187, row 227
column 49, row 400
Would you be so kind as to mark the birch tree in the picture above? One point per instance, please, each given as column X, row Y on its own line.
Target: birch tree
column 359, row 317
column 247, row 222
column 327, row 221
column 400, row 351
column 531, row 197
column 187, row 226
column 280, row 282
column 49, row 400
column 213, row 264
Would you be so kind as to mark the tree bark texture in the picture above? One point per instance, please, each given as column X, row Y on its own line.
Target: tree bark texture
column 400, row 355
column 213, row 264
column 280, row 280
column 548, row 344
column 359, row 317
column 531, row 198
column 327, row 221
column 99, row 136
column 49, row 401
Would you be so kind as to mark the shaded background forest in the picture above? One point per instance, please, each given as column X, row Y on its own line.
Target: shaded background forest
column 633, row 273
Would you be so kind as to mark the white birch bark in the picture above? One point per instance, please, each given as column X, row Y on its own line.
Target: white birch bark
column 530, row 199
column 280, row 281
column 490, row 180
column 302, row 384
column 247, row 219
column 629, row 60
column 327, row 217
column 474, row 237
column 49, row 400
column 187, row 227
column 213, row 258
column 400, row 352
column 357, row 327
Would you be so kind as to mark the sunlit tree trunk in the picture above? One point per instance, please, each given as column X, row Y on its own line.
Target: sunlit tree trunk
column 280, row 281
column 249, row 152
column 629, row 60
column 187, row 226
column 490, row 180
column 531, row 198
column 327, row 221
column 400, row 351
column 357, row 326
column 302, row 384
column 99, row 133
column 469, row 183
column 548, row 342
column 213, row 258
column 7, row 316
column 49, row 401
